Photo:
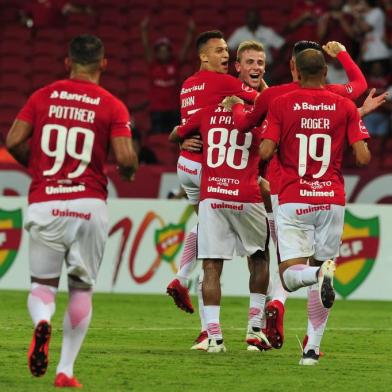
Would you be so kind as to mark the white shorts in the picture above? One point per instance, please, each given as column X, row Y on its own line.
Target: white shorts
column 71, row 230
column 189, row 174
column 306, row 230
column 224, row 231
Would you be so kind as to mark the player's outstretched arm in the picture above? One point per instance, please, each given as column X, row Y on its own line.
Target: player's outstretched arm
column 17, row 141
column 361, row 152
column 126, row 157
column 371, row 102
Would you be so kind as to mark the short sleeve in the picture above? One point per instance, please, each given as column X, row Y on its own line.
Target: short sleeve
column 28, row 111
column 120, row 125
column 233, row 86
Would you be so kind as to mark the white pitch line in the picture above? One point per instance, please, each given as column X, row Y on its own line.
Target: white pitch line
column 155, row 329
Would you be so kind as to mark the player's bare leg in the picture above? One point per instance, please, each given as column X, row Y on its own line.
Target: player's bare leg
column 258, row 265
column 211, row 298
column 41, row 305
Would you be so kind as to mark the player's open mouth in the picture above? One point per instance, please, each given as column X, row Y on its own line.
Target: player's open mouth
column 225, row 63
column 254, row 76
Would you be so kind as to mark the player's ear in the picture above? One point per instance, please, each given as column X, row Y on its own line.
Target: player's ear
column 67, row 64
column 103, row 64
column 203, row 57
column 237, row 66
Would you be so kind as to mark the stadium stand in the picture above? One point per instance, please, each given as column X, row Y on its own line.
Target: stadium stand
column 30, row 58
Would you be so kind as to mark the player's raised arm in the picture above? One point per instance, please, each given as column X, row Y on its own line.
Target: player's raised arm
column 371, row 102
column 357, row 83
column 17, row 142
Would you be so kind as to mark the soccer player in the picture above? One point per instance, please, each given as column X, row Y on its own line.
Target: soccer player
column 206, row 87
column 232, row 217
column 63, row 134
column 244, row 120
column 310, row 125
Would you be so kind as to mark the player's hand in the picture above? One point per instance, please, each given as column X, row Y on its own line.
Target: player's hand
column 127, row 174
column 193, row 144
column 371, row 102
column 229, row 102
column 333, row 48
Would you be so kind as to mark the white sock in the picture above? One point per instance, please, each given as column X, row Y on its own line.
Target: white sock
column 75, row 325
column 317, row 319
column 188, row 258
column 41, row 302
column 201, row 302
column 278, row 292
column 256, row 310
column 211, row 313
column 300, row 275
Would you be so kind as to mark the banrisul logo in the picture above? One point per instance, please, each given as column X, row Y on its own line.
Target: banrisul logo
column 358, row 252
column 10, row 236
column 168, row 241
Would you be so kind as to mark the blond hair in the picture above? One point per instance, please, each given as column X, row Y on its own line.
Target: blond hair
column 249, row 45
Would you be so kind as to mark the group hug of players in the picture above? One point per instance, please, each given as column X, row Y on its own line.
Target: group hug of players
column 232, row 132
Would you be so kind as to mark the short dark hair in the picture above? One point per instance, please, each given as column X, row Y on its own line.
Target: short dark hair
column 204, row 37
column 310, row 62
column 299, row 46
column 86, row 49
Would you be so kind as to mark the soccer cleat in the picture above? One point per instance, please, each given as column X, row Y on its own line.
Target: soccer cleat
column 274, row 312
column 305, row 342
column 180, row 294
column 63, row 381
column 39, row 349
column 255, row 337
column 201, row 342
column 216, row 346
column 252, row 348
column 325, row 279
column 309, row 358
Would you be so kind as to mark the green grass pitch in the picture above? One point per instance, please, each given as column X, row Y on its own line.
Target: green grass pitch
column 141, row 343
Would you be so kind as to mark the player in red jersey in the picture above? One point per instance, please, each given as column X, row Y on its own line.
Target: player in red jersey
column 206, row 87
column 63, row 134
column 311, row 125
column 232, row 217
column 245, row 119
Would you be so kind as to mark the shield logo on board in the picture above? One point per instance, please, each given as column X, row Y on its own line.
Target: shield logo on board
column 10, row 237
column 168, row 241
column 358, row 252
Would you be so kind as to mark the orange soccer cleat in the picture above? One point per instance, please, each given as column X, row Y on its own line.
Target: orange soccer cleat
column 39, row 349
column 180, row 294
column 63, row 381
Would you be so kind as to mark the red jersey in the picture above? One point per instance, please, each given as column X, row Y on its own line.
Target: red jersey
column 311, row 126
column 73, row 121
column 230, row 158
column 164, row 80
column 205, row 88
column 46, row 12
column 244, row 120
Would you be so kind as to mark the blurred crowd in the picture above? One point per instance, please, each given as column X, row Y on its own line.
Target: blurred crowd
column 150, row 50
